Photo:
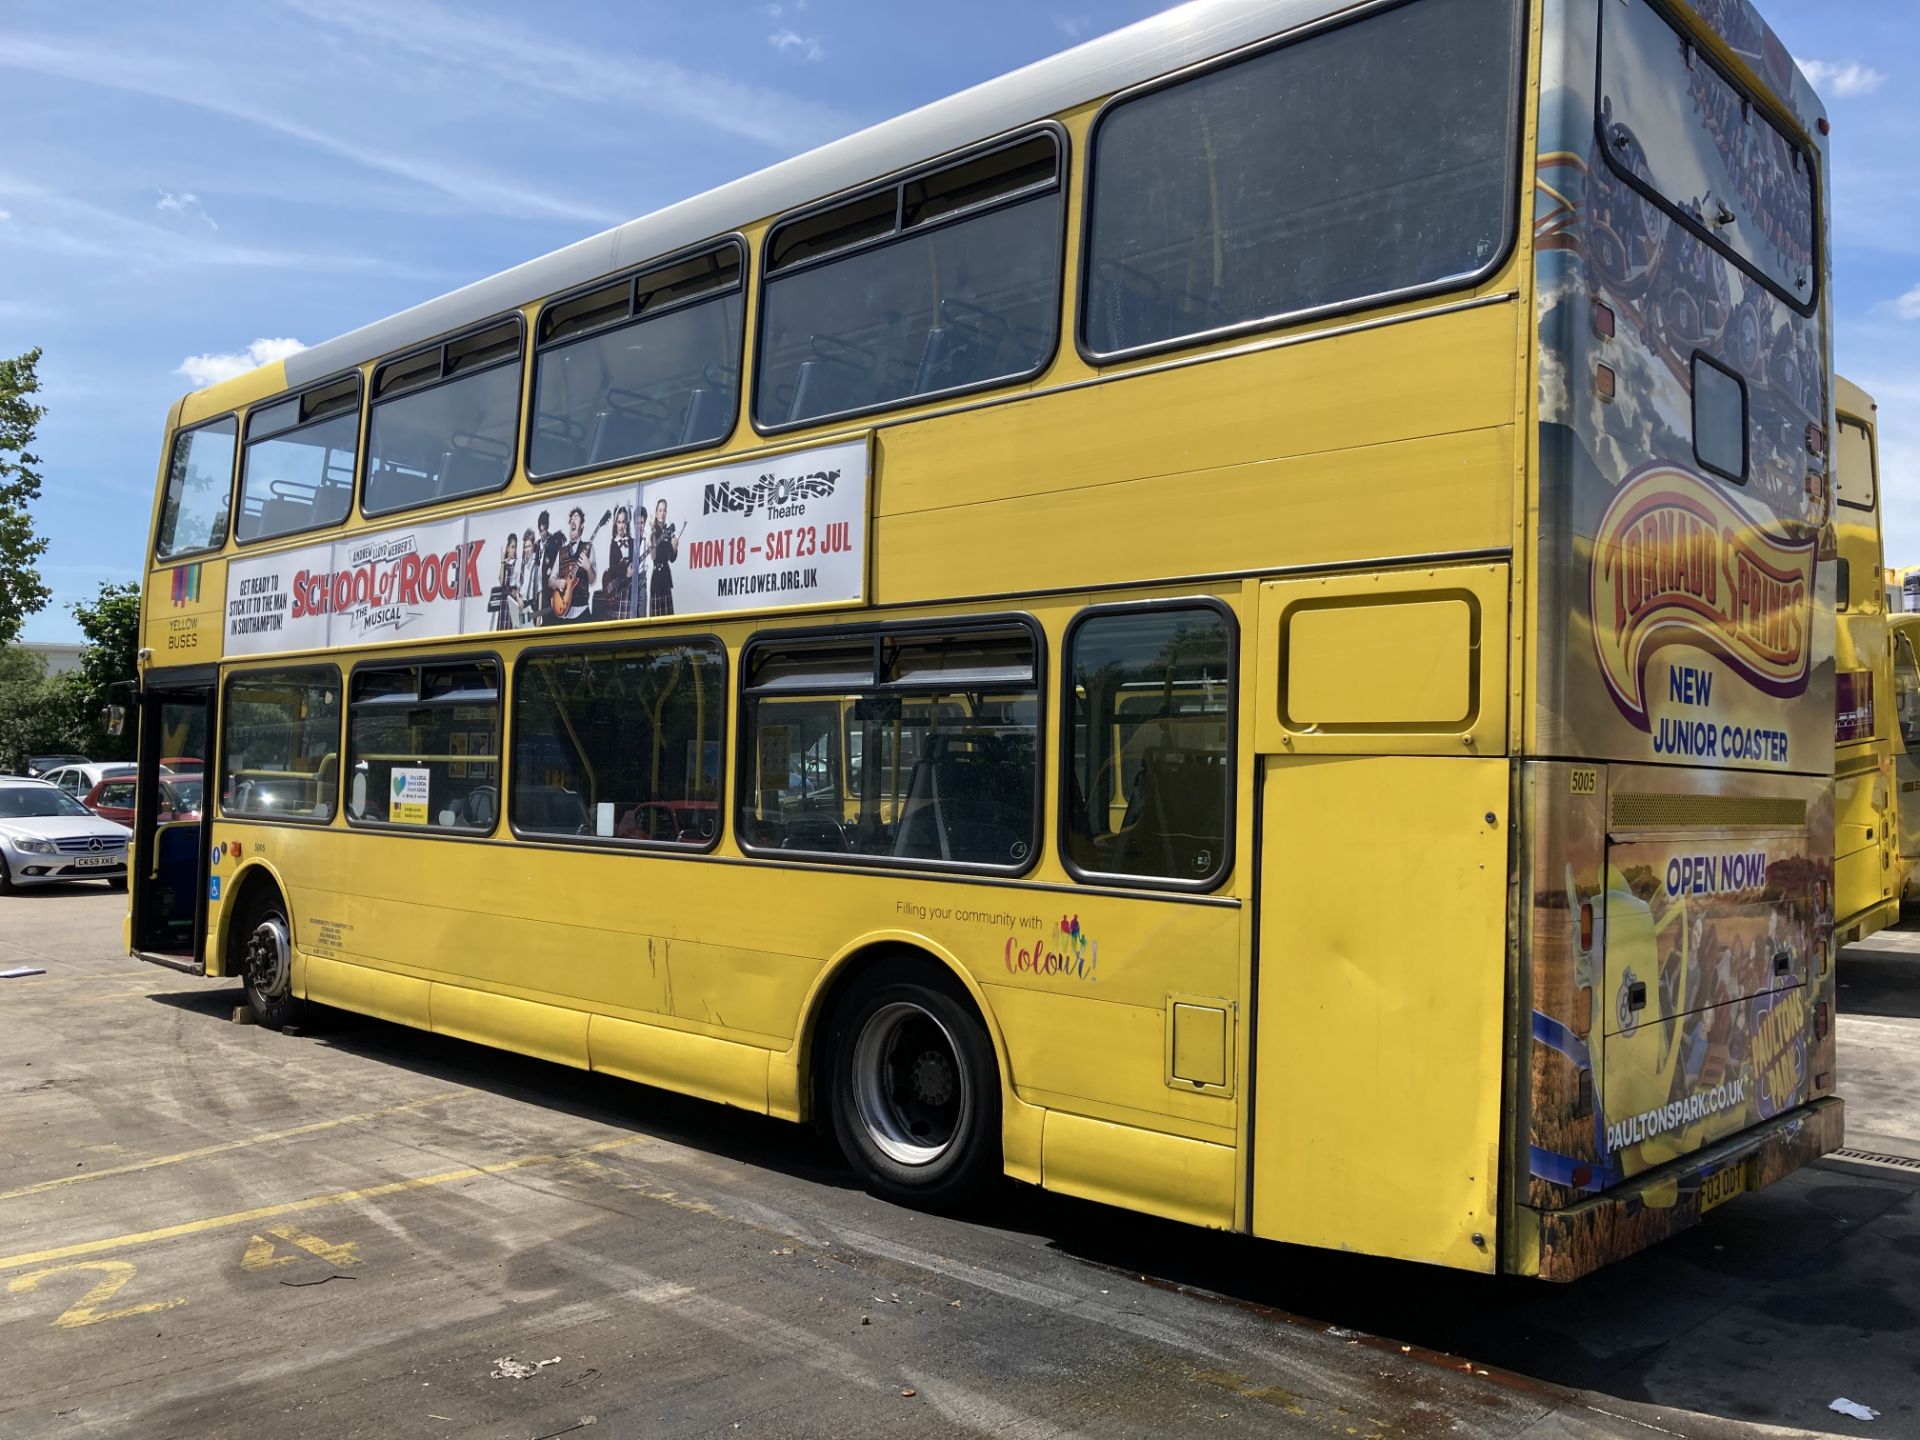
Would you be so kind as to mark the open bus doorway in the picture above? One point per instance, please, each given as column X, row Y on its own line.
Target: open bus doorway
column 169, row 873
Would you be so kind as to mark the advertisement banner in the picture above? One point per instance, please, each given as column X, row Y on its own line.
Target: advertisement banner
column 759, row 535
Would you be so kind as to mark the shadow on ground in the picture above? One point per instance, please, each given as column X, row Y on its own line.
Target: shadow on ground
column 1883, row 983
column 1809, row 1286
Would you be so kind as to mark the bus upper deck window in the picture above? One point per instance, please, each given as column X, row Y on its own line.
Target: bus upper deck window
column 1362, row 160
column 193, row 516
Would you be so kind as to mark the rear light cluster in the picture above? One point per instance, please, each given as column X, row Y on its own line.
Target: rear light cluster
column 1820, row 1021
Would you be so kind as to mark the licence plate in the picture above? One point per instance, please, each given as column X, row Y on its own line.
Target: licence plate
column 97, row 862
column 1718, row 1189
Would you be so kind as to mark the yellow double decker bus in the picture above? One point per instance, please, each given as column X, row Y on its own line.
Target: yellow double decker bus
column 1869, row 725
column 1239, row 622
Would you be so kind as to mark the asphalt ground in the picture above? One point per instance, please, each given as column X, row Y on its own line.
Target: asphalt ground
column 210, row 1229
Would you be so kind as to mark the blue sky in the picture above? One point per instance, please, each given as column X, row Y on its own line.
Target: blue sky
column 184, row 186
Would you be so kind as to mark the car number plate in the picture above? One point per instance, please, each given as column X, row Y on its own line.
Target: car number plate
column 1718, row 1189
column 96, row 862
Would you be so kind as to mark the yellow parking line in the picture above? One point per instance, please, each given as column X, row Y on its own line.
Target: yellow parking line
column 227, row 1145
column 291, row 1207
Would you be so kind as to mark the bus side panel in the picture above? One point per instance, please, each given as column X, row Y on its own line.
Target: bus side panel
column 1381, row 1006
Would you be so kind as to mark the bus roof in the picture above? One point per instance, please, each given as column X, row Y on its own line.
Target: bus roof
column 1179, row 37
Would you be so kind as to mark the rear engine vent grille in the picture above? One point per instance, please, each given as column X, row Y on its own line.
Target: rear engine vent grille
column 1706, row 812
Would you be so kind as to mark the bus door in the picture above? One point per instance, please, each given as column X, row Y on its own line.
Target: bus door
column 170, row 865
column 1382, row 796
column 1906, row 742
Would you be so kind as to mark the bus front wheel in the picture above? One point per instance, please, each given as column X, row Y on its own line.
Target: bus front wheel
column 916, row 1092
column 266, row 946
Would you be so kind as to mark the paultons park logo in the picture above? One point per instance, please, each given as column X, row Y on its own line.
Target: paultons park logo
column 1677, row 563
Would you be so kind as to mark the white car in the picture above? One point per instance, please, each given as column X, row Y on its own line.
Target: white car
column 79, row 780
column 47, row 836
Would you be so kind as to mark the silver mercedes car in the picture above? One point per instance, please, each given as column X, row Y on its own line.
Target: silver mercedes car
column 47, row 836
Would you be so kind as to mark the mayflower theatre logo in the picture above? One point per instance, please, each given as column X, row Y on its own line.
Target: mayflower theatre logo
column 1676, row 563
column 779, row 496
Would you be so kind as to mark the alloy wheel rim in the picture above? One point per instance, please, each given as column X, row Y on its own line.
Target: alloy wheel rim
column 269, row 958
column 909, row 1087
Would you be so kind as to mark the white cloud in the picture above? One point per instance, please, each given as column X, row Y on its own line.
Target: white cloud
column 805, row 46
column 205, row 370
column 1842, row 79
column 184, row 203
column 1907, row 307
column 1073, row 26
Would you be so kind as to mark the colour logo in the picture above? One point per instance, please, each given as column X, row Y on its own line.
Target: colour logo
column 186, row 585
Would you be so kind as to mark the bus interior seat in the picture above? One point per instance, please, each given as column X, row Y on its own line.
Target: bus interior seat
column 618, row 434
column 814, row 832
column 1175, row 815
column 824, row 386
column 708, row 411
column 970, row 805
column 280, row 515
column 402, row 489
column 465, row 471
column 551, row 807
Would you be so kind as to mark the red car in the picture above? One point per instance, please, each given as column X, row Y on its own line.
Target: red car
column 113, row 799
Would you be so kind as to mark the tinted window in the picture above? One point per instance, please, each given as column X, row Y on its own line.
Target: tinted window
column 906, row 763
column 1854, row 465
column 1719, row 420
column 944, row 282
column 640, row 367
column 1669, row 118
column 444, row 421
column 281, row 745
column 1150, row 709
column 297, row 472
column 621, row 745
column 424, row 746
column 199, row 489
column 1370, row 158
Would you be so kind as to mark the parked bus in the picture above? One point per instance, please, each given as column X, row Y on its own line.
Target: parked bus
column 1903, row 821
column 1866, row 876
column 1239, row 622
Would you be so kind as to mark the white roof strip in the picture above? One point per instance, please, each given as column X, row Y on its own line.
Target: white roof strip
column 1156, row 46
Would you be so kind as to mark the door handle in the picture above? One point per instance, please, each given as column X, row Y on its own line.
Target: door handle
column 1782, row 961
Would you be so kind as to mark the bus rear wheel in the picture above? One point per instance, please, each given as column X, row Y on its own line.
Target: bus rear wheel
column 266, row 954
column 915, row 1090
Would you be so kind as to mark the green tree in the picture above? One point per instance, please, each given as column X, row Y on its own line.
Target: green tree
column 21, row 591
column 111, row 623
column 36, row 711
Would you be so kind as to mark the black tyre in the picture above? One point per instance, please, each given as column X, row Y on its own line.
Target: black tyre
column 915, row 1091
column 6, row 876
column 116, row 882
column 263, row 942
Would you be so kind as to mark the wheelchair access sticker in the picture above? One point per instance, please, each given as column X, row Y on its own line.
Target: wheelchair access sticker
column 213, row 887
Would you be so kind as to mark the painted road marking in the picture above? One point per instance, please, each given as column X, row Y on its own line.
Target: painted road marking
column 260, row 1252
column 85, row 1310
column 226, row 1145
column 312, row 1202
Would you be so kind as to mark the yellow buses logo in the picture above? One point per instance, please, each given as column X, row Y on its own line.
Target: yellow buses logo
column 1677, row 563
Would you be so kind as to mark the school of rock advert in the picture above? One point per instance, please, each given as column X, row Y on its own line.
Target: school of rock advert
column 754, row 536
